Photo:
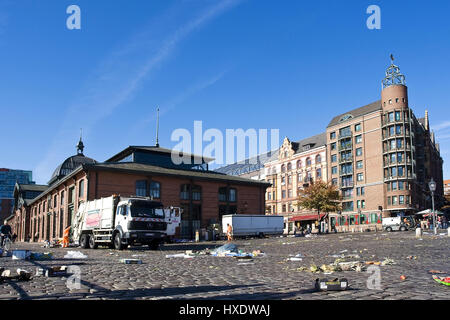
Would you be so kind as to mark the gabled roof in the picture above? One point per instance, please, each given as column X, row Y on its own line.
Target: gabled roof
column 314, row 142
column 355, row 113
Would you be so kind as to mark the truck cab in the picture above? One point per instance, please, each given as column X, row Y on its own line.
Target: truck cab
column 139, row 220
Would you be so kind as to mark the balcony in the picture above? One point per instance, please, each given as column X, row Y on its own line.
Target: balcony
column 347, row 185
column 345, row 146
column 345, row 159
column 345, row 135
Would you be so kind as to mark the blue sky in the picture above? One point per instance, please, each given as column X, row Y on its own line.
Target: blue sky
column 288, row 65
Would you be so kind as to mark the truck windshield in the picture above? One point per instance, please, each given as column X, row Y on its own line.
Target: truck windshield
column 148, row 210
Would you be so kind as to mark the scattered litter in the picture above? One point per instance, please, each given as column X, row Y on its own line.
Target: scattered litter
column 442, row 280
column 377, row 263
column 178, row 255
column 436, row 272
column 54, row 271
column 22, row 275
column 352, row 266
column 131, row 261
column 21, row 254
column 138, row 255
column 411, row 257
column 333, row 285
column 41, row 256
column 402, row 277
column 387, row 262
column 294, row 259
column 245, row 263
column 74, row 255
column 227, row 248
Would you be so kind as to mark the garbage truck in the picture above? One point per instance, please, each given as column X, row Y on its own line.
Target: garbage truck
column 118, row 222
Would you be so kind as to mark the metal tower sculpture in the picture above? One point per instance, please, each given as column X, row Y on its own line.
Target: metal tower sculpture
column 393, row 75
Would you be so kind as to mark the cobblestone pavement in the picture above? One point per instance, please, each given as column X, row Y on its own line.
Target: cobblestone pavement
column 268, row 277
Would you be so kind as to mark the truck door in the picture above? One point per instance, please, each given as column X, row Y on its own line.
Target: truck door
column 122, row 217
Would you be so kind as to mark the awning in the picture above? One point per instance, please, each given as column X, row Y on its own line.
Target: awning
column 308, row 217
column 428, row 212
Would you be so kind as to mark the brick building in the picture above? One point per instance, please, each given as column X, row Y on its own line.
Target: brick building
column 143, row 171
column 382, row 158
column 8, row 179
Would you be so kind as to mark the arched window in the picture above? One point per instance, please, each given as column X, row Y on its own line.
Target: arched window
column 308, row 161
column 299, row 164
column 283, row 168
column 318, row 159
column 289, row 166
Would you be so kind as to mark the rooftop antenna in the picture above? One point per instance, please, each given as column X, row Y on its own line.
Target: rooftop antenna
column 157, row 127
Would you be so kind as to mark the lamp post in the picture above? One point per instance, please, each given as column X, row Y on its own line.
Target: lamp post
column 432, row 186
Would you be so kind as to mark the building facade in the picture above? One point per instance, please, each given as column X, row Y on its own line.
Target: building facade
column 382, row 157
column 298, row 164
column 8, row 179
column 204, row 195
column 446, row 187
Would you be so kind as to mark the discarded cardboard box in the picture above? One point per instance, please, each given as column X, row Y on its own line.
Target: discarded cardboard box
column 333, row 285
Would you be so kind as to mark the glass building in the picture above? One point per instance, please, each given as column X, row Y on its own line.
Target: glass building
column 8, row 179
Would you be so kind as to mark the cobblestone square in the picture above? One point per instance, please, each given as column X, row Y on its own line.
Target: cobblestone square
column 272, row 276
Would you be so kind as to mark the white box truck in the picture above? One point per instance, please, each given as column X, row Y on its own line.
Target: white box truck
column 397, row 224
column 253, row 225
column 119, row 222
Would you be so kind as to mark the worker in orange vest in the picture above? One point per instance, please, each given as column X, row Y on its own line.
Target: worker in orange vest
column 66, row 237
column 229, row 232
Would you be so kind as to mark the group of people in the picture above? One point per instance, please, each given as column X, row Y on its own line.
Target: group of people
column 427, row 223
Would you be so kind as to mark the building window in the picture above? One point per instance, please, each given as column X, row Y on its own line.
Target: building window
column 391, row 116
column 359, row 152
column 290, row 193
column 233, row 195
column 359, row 164
column 223, row 194
column 401, row 199
column 334, row 181
column 362, row 218
column 289, row 166
column 283, row 168
column 333, row 146
column 333, row 158
column 347, row 206
column 299, row 164
column 394, row 200
column 358, row 139
column 283, row 194
column 196, row 193
column 333, row 135
column 397, row 115
column 363, row 191
column 289, row 179
column 319, row 173
column 308, row 162
column 184, row 192
column 360, row 177
column 81, row 189
column 401, row 185
column 318, row 159
column 283, row 208
column 141, row 188
column 334, row 170
column 358, row 127
column 62, row 198
column 389, row 201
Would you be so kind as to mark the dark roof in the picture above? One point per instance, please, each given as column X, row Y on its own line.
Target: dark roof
column 314, row 142
column 131, row 167
column 69, row 165
column 356, row 112
column 248, row 165
column 154, row 149
column 33, row 187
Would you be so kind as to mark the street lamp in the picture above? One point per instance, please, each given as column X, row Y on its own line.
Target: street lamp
column 432, row 186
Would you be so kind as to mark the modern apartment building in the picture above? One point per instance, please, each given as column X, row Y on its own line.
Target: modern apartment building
column 8, row 179
column 382, row 157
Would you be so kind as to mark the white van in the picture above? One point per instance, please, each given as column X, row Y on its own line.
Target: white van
column 394, row 224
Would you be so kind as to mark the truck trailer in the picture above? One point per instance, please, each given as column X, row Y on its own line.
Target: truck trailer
column 253, row 225
column 118, row 222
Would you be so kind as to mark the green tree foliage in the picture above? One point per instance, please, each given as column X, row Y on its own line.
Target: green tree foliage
column 320, row 196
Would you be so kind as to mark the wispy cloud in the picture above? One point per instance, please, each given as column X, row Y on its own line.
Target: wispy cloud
column 442, row 126
column 119, row 77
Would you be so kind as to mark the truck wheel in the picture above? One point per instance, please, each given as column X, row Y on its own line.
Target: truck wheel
column 154, row 245
column 389, row 229
column 118, row 242
column 402, row 229
column 92, row 243
column 84, row 242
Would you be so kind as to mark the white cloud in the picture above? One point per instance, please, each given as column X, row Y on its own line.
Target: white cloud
column 442, row 126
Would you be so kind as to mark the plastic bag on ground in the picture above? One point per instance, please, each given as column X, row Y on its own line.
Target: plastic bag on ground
column 74, row 255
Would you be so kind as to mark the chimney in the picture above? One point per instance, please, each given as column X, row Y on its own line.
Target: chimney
column 427, row 123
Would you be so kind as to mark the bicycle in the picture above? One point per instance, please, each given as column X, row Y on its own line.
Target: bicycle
column 6, row 245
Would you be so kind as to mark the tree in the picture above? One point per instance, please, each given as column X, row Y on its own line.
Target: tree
column 320, row 196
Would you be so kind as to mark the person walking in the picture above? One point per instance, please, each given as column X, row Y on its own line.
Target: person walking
column 229, row 232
